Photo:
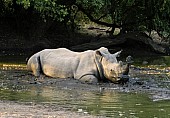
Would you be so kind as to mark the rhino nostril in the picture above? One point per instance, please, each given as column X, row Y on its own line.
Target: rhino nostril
column 118, row 76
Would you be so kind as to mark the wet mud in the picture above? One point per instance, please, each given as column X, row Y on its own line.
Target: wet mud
column 155, row 82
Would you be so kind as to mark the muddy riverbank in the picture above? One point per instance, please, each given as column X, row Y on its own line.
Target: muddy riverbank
column 20, row 80
column 23, row 95
column 153, row 80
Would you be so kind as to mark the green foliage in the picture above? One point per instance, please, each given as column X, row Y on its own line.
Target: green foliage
column 5, row 6
column 128, row 15
column 161, row 21
column 47, row 8
column 92, row 5
column 25, row 3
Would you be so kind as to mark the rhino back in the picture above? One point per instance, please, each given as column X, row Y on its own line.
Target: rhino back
column 65, row 63
column 58, row 62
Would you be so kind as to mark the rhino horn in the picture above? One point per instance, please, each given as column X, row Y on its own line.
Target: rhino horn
column 126, row 69
column 117, row 54
column 129, row 59
column 128, row 63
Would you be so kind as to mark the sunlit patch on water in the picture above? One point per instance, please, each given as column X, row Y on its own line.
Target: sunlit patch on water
column 12, row 66
column 153, row 69
column 161, row 96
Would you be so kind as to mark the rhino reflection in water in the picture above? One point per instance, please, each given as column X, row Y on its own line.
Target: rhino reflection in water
column 90, row 66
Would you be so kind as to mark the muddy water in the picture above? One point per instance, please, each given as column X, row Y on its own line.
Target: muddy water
column 148, row 97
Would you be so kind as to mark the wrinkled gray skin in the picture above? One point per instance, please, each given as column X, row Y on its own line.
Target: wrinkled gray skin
column 90, row 66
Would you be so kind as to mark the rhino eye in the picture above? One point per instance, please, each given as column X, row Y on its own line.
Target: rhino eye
column 111, row 70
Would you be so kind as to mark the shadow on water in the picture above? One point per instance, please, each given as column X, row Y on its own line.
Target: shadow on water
column 16, row 85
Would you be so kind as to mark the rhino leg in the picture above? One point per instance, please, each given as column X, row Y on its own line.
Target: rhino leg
column 36, row 66
column 91, row 79
column 36, row 71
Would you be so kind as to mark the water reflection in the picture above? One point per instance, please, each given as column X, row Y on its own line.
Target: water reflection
column 106, row 103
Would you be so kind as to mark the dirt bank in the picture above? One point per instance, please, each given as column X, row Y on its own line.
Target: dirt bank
column 18, row 110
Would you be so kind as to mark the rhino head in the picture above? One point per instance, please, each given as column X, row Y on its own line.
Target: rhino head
column 126, row 65
column 112, row 69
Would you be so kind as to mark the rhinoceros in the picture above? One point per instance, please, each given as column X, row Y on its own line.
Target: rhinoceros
column 90, row 66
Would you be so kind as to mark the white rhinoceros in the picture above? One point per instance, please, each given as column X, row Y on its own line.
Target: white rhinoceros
column 89, row 66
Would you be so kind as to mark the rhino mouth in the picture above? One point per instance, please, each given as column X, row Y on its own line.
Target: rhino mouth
column 115, row 79
column 120, row 79
column 124, row 79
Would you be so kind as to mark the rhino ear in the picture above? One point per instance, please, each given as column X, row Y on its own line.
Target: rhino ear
column 100, row 53
column 104, row 50
column 117, row 54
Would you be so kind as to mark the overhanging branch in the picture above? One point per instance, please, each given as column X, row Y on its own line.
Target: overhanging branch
column 113, row 25
column 96, row 20
column 102, row 16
